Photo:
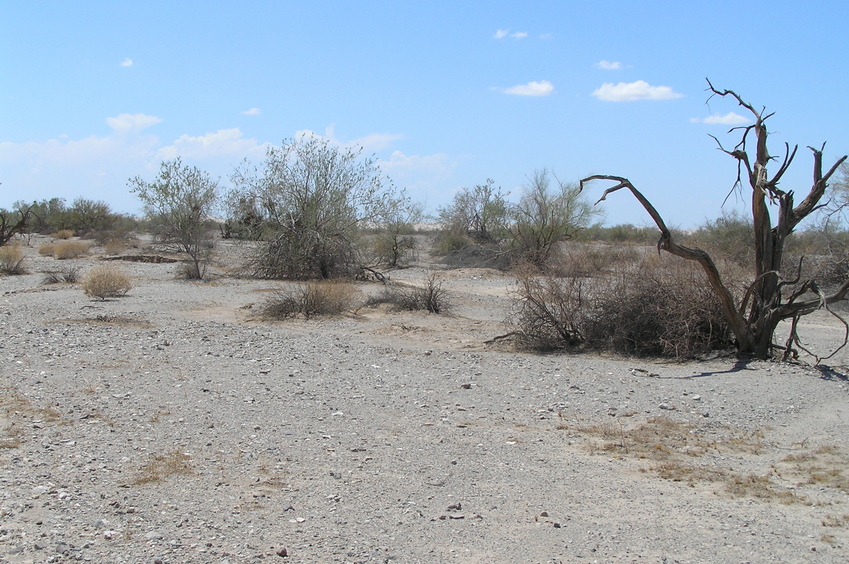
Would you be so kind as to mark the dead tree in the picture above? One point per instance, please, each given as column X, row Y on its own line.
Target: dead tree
column 12, row 223
column 769, row 299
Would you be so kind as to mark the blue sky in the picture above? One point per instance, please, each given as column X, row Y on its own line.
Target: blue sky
column 443, row 94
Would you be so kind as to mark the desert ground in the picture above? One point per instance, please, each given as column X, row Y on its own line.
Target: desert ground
column 176, row 425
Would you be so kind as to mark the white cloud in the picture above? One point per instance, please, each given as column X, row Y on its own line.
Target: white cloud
column 609, row 65
column 420, row 175
column 127, row 62
column 730, row 118
column 222, row 143
column 252, row 112
column 376, row 141
column 369, row 143
column 126, row 123
column 533, row 88
column 631, row 91
column 502, row 33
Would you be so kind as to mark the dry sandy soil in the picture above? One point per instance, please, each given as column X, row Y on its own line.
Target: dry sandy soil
column 173, row 425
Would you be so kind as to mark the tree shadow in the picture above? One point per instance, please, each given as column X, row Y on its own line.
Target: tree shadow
column 831, row 373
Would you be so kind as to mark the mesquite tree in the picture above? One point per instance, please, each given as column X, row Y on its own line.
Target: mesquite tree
column 769, row 299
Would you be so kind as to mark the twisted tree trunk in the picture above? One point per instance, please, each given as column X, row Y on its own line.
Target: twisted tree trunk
column 757, row 315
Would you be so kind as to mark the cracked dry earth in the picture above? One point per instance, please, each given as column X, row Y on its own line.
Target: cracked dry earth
column 172, row 425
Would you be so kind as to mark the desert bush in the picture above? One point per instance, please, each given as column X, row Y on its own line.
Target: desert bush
column 311, row 299
column 114, row 246
column 315, row 198
column 394, row 243
column 727, row 237
column 546, row 216
column 478, row 213
column 178, row 205
column 106, row 281
column 430, row 296
column 69, row 249
column 69, row 275
column 12, row 259
column 64, row 234
column 651, row 308
column 47, row 249
column 591, row 259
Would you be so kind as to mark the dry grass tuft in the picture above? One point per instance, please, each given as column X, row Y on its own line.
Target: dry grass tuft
column 69, row 249
column 106, row 281
column 823, row 466
column 15, row 408
column 161, row 466
column 70, row 275
column 311, row 300
column 673, row 449
column 12, row 259
column 63, row 234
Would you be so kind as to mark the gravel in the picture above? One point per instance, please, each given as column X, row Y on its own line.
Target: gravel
column 172, row 426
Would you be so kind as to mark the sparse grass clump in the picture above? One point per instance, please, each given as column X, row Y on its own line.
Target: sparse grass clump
column 311, row 299
column 69, row 275
column 12, row 259
column 161, row 466
column 106, row 281
column 64, row 234
column 69, row 249
column 47, row 249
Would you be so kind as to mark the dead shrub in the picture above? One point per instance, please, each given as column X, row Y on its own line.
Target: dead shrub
column 549, row 312
column 69, row 249
column 12, row 259
column 430, row 297
column 652, row 308
column 69, row 275
column 311, row 300
column 63, row 234
column 106, row 281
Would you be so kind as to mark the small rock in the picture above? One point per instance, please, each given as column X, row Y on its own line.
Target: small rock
column 697, row 398
column 466, row 386
column 283, row 553
column 63, row 548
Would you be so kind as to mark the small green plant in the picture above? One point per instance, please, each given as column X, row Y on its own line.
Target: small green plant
column 310, row 300
column 106, row 281
column 12, row 259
